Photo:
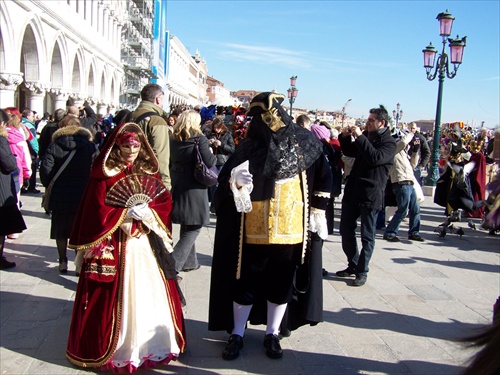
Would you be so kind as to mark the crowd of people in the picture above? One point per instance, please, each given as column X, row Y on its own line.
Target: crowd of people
column 114, row 185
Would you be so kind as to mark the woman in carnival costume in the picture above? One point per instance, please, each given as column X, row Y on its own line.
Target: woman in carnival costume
column 127, row 312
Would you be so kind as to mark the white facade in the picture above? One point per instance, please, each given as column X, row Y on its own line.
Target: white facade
column 187, row 76
column 56, row 51
column 219, row 95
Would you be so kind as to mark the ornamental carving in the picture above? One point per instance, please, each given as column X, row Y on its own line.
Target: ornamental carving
column 59, row 92
column 10, row 81
column 36, row 88
column 76, row 96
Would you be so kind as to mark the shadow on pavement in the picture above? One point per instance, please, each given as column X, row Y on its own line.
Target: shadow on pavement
column 491, row 268
column 406, row 324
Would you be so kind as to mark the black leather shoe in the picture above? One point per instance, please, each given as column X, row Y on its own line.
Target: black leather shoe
column 273, row 347
column 359, row 281
column 233, row 347
column 345, row 273
column 391, row 238
column 415, row 237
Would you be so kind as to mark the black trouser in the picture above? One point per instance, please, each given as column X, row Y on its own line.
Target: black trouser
column 35, row 163
column 267, row 272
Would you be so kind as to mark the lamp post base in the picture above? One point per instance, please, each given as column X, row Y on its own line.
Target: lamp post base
column 433, row 175
column 429, row 190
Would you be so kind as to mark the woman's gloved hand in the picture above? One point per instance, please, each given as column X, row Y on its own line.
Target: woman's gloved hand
column 242, row 178
column 139, row 212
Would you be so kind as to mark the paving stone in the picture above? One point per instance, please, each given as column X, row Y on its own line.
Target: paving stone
column 409, row 304
column 429, row 292
column 409, row 347
column 428, row 272
column 418, row 300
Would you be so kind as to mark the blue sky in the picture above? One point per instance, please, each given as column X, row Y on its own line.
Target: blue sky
column 367, row 51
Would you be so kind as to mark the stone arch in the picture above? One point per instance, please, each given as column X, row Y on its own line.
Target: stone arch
column 5, row 37
column 112, row 95
column 30, row 64
column 33, row 55
column 91, row 81
column 2, row 52
column 102, row 92
column 57, row 67
column 76, row 74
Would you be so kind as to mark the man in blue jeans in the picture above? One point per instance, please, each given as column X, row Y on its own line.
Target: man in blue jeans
column 402, row 178
column 374, row 151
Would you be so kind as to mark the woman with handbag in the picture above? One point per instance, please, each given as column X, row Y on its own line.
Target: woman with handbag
column 11, row 220
column 64, row 172
column 190, row 198
column 127, row 313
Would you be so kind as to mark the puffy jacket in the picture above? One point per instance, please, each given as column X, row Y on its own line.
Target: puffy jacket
column 70, row 185
column 156, row 130
column 19, row 148
column 366, row 183
column 33, row 141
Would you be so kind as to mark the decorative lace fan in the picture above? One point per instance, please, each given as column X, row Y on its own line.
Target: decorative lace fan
column 134, row 189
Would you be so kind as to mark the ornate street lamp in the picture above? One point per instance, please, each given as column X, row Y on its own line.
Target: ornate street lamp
column 292, row 92
column 441, row 71
column 397, row 114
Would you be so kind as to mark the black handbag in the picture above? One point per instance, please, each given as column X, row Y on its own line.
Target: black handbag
column 203, row 174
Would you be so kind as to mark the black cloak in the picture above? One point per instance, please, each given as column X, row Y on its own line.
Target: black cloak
column 272, row 155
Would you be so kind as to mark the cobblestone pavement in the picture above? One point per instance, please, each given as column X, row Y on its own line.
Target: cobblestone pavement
column 419, row 299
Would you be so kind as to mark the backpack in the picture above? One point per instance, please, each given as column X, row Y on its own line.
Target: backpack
column 137, row 120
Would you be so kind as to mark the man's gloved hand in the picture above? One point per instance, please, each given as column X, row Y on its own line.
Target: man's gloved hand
column 317, row 223
column 139, row 212
column 242, row 178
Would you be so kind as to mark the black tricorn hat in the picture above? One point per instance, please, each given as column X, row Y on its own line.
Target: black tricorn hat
column 264, row 102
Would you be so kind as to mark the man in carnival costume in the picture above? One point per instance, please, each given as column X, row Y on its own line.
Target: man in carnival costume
column 270, row 226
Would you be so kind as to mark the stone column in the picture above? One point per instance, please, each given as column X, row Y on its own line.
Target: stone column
column 92, row 102
column 8, row 85
column 113, row 108
column 102, row 108
column 60, row 98
column 36, row 92
column 77, row 99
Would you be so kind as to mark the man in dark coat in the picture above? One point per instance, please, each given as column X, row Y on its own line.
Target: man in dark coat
column 287, row 181
column 419, row 152
column 48, row 130
column 86, row 115
column 374, row 151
